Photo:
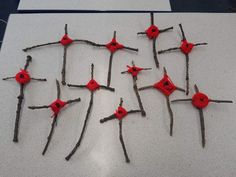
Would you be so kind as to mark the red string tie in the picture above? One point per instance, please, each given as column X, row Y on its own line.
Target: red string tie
column 120, row 113
column 22, row 77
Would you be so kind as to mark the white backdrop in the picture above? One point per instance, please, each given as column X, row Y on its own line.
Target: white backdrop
column 151, row 150
column 161, row 5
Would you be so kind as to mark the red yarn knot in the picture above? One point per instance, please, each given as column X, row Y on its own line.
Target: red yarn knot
column 22, row 77
column 165, row 85
column 200, row 100
column 120, row 113
column 56, row 106
column 65, row 40
column 92, row 85
column 134, row 70
column 186, row 47
column 113, row 46
column 152, row 32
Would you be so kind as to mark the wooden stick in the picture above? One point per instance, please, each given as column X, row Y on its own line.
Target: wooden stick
column 155, row 52
column 202, row 127
column 83, row 130
column 146, row 87
column 109, row 70
column 63, row 71
column 111, row 117
column 40, row 45
column 138, row 96
column 221, row 101
column 38, row 107
column 171, row 115
column 187, row 73
column 166, row 29
column 50, row 134
column 181, row 100
column 122, row 142
column 168, row 50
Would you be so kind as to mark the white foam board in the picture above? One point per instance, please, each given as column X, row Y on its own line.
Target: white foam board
column 160, row 5
column 151, row 150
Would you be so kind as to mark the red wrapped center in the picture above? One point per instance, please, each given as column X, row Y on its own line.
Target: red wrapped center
column 152, row 32
column 120, row 113
column 92, row 85
column 65, row 40
column 134, row 70
column 186, row 47
column 200, row 100
column 56, row 106
column 22, row 77
column 165, row 85
column 113, row 46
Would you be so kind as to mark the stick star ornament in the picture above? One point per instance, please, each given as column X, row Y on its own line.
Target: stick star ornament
column 120, row 114
column 92, row 86
column 186, row 48
column 134, row 71
column 152, row 33
column 22, row 78
column 166, row 87
column 200, row 101
column 56, row 107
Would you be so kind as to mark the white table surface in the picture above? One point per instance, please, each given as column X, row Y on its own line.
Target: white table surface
column 151, row 150
column 160, row 5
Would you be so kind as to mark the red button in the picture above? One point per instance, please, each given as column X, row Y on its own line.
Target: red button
column 152, row 32
column 120, row 113
column 65, row 40
column 186, row 47
column 22, row 77
column 165, row 85
column 92, row 85
column 200, row 100
column 113, row 46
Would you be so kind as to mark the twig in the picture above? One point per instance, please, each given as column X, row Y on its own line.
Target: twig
column 122, row 142
column 73, row 101
column 187, row 73
column 107, row 88
column 111, row 117
column 40, row 45
column 109, row 70
column 7, row 78
column 58, row 90
column 197, row 44
column 182, row 31
column 152, row 18
column 63, row 71
column 202, row 127
column 83, row 130
column 133, row 111
column 171, row 115
column 146, row 87
column 181, row 100
column 38, row 79
column 38, row 107
column 168, row 50
column 78, row 86
column 155, row 52
column 166, row 29
column 89, row 42
column 50, row 134
column 18, row 111
column 138, row 96
column 221, row 101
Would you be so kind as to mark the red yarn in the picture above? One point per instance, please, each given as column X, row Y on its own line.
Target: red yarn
column 152, row 32
column 65, row 40
column 134, row 70
column 165, row 85
column 22, row 77
column 56, row 106
column 113, row 46
column 186, row 47
column 120, row 113
column 92, row 85
column 200, row 100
